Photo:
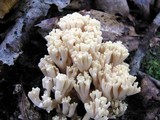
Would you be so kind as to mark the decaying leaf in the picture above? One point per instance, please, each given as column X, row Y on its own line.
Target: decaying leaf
column 149, row 92
column 110, row 24
column 153, row 113
column 47, row 25
column 113, row 6
column 5, row 6
column 10, row 48
column 131, row 42
column 26, row 111
column 59, row 3
column 150, row 97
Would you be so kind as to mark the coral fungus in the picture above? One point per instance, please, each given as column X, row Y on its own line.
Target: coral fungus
column 79, row 65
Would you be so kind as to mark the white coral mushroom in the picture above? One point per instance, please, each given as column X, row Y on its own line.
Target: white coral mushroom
column 59, row 118
column 83, row 86
column 60, row 56
column 95, row 72
column 117, row 108
column 62, row 86
column 78, row 58
column 47, row 84
column 47, row 67
column 117, row 83
column 82, row 60
column 68, row 108
column 71, row 71
column 97, row 108
column 117, row 51
column 34, row 96
column 46, row 102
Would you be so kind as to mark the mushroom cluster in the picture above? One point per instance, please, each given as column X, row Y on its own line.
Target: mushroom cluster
column 80, row 67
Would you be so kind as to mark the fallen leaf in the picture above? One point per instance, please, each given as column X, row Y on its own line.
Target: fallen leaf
column 6, row 6
column 149, row 92
column 10, row 48
column 152, row 113
column 47, row 25
column 113, row 6
column 131, row 42
column 27, row 112
column 114, row 30
column 108, row 21
column 110, row 24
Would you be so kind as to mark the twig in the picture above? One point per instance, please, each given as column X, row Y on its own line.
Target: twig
column 155, row 81
column 143, row 47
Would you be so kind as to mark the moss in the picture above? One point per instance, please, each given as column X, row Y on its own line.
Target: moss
column 151, row 63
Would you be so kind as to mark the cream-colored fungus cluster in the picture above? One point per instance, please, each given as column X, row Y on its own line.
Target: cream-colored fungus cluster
column 80, row 65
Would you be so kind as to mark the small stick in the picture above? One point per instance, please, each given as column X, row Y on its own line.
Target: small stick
column 144, row 45
column 155, row 81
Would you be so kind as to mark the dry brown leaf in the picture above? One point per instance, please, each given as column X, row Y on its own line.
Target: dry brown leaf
column 149, row 92
column 47, row 25
column 150, row 97
column 131, row 42
column 110, row 24
column 108, row 21
column 113, row 6
column 10, row 48
column 26, row 111
column 5, row 6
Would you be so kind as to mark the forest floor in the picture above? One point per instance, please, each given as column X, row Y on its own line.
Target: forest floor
column 25, row 45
